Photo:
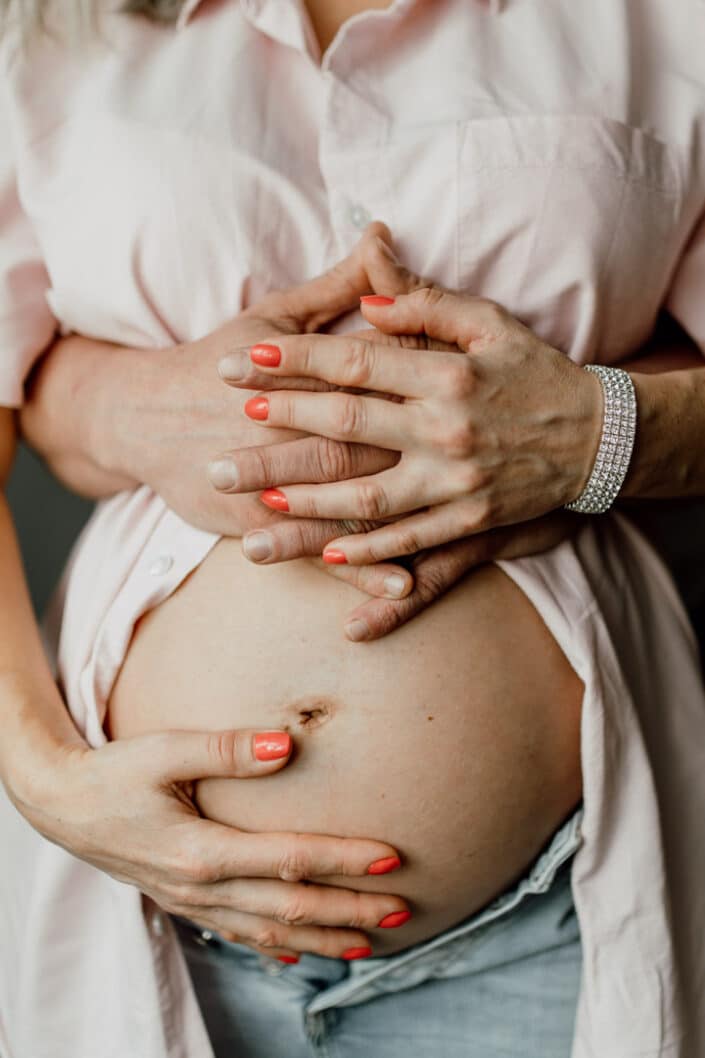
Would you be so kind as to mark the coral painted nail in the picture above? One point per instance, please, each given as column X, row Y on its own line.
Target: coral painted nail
column 266, row 355
column 291, row 960
column 334, row 557
column 275, row 499
column 376, row 300
column 272, row 745
column 257, row 408
column 397, row 918
column 356, row 953
column 389, row 863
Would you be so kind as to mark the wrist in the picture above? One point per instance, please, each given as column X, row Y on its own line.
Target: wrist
column 591, row 416
column 118, row 400
column 664, row 462
column 37, row 733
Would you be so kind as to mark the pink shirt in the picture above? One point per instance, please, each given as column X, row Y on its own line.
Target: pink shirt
column 549, row 155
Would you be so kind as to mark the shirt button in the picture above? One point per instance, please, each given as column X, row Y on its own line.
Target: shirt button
column 359, row 216
column 161, row 565
column 270, row 967
column 204, row 938
column 157, row 924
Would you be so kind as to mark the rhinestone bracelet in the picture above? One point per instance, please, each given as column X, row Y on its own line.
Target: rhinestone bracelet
column 616, row 444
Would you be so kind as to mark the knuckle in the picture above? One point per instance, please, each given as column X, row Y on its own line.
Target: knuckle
column 222, row 747
column 372, row 501
column 496, row 315
column 182, row 895
column 357, row 917
column 459, row 378
column 294, row 913
column 333, row 460
column 351, row 416
column 459, row 438
column 192, row 869
column 190, row 866
column 302, row 538
column 483, row 512
column 389, row 616
column 267, row 937
column 352, row 526
column 430, row 585
column 408, row 541
column 430, row 296
column 469, row 477
column 478, row 516
column 260, row 467
column 294, row 864
column 358, row 363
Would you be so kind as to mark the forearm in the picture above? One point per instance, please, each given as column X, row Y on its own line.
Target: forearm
column 32, row 714
column 77, row 401
column 669, row 456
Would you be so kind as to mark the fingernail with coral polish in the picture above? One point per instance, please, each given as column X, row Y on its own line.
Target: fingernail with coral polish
column 357, row 631
column 385, row 866
column 291, row 960
column 394, row 585
column 275, row 499
column 266, row 355
column 376, row 300
column 234, row 367
column 396, row 919
column 257, row 408
column 334, row 557
column 356, row 953
column 222, row 474
column 257, row 547
column 272, row 745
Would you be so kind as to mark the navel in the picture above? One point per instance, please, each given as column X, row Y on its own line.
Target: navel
column 309, row 713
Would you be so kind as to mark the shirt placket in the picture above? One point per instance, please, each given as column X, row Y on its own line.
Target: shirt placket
column 352, row 163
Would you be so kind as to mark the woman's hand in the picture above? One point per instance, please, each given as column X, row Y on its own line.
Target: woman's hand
column 500, row 431
column 128, row 808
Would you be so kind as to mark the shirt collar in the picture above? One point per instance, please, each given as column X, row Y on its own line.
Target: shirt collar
column 191, row 6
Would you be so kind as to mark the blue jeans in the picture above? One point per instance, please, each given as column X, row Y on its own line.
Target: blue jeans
column 502, row 984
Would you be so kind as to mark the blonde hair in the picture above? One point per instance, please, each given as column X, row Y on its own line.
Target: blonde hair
column 29, row 16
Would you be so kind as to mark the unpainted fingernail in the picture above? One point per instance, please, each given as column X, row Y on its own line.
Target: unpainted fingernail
column 357, row 630
column 384, row 866
column 394, row 920
column 394, row 585
column 257, row 547
column 222, row 474
column 235, row 366
column 356, row 953
column 272, row 745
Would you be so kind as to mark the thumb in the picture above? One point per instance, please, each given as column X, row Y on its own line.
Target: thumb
column 186, row 756
column 438, row 313
column 371, row 266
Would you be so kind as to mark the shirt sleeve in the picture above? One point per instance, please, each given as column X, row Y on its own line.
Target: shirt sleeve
column 26, row 321
column 686, row 297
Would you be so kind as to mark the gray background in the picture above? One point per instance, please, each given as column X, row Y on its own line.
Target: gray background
column 48, row 520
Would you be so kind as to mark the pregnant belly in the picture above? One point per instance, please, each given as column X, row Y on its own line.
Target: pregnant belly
column 456, row 739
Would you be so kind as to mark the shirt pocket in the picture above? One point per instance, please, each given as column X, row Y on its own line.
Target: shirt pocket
column 573, row 223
